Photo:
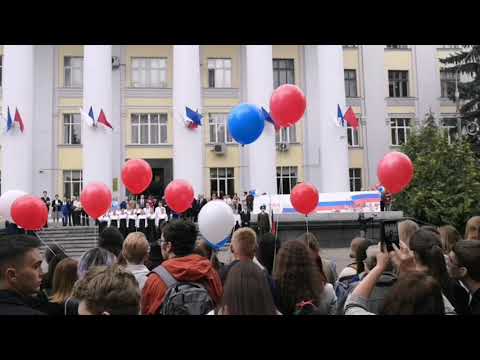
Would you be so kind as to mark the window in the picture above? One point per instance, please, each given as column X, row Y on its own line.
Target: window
column 72, row 183
column 286, row 135
column 286, row 179
column 72, row 130
column 449, row 126
column 217, row 124
column 353, row 137
column 219, row 73
column 149, row 129
column 397, row 46
column 350, row 83
column 73, row 71
column 222, row 180
column 400, row 129
column 149, row 72
column 447, row 83
column 398, row 83
column 1, row 68
column 283, row 72
column 355, row 179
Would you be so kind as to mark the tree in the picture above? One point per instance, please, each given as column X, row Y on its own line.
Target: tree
column 446, row 185
column 466, row 62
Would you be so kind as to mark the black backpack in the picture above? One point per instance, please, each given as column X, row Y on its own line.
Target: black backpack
column 183, row 298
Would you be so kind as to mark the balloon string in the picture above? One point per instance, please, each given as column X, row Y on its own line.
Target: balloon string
column 44, row 243
column 306, row 222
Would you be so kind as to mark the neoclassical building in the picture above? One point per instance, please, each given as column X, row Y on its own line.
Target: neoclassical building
column 143, row 91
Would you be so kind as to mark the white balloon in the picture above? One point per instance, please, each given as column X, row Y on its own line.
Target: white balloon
column 216, row 221
column 6, row 201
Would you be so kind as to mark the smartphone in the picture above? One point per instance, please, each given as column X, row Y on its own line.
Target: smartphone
column 389, row 234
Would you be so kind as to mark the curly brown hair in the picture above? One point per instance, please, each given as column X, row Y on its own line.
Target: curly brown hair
column 297, row 276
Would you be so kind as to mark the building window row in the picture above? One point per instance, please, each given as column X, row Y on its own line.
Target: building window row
column 72, row 183
column 149, row 129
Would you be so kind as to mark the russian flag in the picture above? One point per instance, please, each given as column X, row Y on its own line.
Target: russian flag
column 89, row 118
column 18, row 119
column 9, row 119
column 194, row 116
column 351, row 118
column 340, row 120
column 102, row 119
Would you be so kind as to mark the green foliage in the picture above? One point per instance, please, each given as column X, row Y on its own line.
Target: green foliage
column 446, row 185
column 466, row 62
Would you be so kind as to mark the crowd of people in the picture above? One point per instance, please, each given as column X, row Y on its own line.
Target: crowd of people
column 140, row 212
column 433, row 271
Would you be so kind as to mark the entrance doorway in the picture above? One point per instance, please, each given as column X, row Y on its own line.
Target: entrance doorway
column 162, row 170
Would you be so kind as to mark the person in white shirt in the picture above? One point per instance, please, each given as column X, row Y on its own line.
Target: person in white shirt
column 135, row 251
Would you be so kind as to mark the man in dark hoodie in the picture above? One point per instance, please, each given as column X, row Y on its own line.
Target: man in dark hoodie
column 178, row 243
column 20, row 274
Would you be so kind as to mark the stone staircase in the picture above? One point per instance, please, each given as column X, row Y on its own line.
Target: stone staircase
column 74, row 239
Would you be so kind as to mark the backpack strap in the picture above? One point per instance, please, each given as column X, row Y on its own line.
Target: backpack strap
column 167, row 278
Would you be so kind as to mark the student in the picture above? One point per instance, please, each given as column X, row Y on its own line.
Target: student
column 406, row 229
column 247, row 292
column 178, row 243
column 108, row 291
column 20, row 273
column 111, row 239
column 299, row 281
column 464, row 265
column 472, row 229
column 64, row 279
column 135, row 252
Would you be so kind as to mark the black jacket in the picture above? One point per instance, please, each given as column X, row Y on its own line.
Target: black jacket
column 12, row 303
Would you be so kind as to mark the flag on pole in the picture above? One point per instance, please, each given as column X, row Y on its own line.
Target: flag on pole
column 274, row 224
column 102, row 119
column 89, row 118
column 352, row 120
column 268, row 118
column 18, row 119
column 194, row 116
column 9, row 119
column 340, row 118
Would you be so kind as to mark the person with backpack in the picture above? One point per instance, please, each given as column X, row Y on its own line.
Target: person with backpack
column 185, row 283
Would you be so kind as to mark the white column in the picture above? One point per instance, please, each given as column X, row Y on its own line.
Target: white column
column 18, row 93
column 333, row 141
column 261, row 154
column 97, row 92
column 427, row 78
column 188, row 149
column 377, row 132
column 326, row 158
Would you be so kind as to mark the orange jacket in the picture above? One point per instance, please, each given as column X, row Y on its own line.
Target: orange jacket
column 194, row 268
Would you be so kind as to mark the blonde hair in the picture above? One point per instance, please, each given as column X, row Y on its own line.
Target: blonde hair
column 135, row 248
column 244, row 241
column 473, row 221
column 406, row 229
column 64, row 279
column 449, row 236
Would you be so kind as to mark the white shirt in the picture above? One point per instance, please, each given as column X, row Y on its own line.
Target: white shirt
column 140, row 272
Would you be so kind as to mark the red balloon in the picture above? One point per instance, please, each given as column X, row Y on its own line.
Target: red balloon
column 29, row 212
column 96, row 199
column 179, row 195
column 395, row 171
column 287, row 105
column 304, row 198
column 137, row 175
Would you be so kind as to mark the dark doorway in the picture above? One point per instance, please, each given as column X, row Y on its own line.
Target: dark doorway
column 162, row 170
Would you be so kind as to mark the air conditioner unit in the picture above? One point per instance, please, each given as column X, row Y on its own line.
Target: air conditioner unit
column 219, row 149
column 115, row 62
column 282, row 147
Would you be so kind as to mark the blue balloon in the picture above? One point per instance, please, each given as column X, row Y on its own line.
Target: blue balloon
column 246, row 123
